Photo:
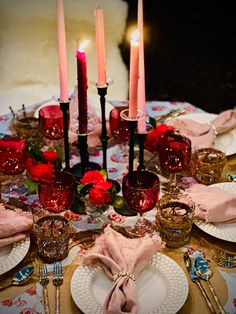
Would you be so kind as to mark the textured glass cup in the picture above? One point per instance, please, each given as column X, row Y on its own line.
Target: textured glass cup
column 52, row 234
column 209, row 164
column 13, row 153
column 58, row 195
column 175, row 220
column 51, row 122
column 120, row 131
column 27, row 126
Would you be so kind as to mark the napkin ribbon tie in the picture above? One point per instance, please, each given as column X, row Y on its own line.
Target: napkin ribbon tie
column 214, row 128
column 123, row 274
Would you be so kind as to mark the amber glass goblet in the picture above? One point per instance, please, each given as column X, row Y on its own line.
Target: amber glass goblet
column 141, row 192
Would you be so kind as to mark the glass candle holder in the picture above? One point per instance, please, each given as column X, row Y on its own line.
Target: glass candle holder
column 208, row 165
column 13, row 153
column 175, row 219
column 58, row 195
column 52, row 234
column 51, row 122
column 119, row 129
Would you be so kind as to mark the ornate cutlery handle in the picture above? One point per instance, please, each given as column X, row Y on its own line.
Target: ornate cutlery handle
column 7, row 284
column 221, row 309
column 57, row 306
column 208, row 301
column 45, row 299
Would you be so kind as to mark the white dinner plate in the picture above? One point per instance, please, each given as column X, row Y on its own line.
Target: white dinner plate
column 228, row 139
column 162, row 287
column 223, row 231
column 11, row 255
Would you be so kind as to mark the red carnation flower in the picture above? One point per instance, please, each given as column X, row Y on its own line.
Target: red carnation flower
column 92, row 176
column 98, row 196
column 105, row 185
column 42, row 173
column 29, row 163
column 50, row 156
column 153, row 138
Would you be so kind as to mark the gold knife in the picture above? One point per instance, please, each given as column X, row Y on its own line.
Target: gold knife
column 169, row 115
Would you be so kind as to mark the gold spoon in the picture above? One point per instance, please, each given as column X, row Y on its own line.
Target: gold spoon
column 19, row 278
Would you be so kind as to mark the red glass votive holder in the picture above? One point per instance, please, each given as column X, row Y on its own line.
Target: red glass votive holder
column 13, row 153
column 58, row 195
column 51, row 122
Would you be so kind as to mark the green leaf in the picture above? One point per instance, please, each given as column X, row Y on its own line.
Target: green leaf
column 35, row 152
column 59, row 150
column 31, row 186
column 104, row 173
column 80, row 187
column 58, row 164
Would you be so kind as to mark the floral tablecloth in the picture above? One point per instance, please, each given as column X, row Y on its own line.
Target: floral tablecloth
column 28, row 299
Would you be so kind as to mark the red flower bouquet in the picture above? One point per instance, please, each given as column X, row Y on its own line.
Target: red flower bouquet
column 95, row 189
column 40, row 166
column 153, row 138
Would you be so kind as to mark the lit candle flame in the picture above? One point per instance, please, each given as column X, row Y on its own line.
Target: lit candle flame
column 83, row 45
column 135, row 37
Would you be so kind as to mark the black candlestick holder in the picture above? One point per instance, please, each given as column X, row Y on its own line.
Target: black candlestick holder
column 132, row 125
column 64, row 106
column 102, row 91
column 84, row 165
column 141, row 137
column 80, row 168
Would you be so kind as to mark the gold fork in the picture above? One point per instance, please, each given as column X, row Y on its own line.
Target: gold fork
column 44, row 280
column 57, row 281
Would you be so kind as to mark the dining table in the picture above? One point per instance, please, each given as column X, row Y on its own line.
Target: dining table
column 27, row 298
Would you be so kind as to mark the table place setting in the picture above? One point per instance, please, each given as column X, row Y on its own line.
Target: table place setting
column 91, row 288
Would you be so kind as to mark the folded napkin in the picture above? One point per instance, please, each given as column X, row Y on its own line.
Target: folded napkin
column 212, row 203
column 202, row 134
column 14, row 225
column 122, row 259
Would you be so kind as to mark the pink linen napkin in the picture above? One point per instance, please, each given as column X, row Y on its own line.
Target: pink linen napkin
column 202, row 134
column 14, row 225
column 122, row 259
column 212, row 203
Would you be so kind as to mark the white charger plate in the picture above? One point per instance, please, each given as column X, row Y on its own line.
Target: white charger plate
column 228, row 139
column 162, row 287
column 223, row 231
column 11, row 255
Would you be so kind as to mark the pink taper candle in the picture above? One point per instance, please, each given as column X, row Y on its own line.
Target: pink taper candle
column 133, row 75
column 141, row 80
column 100, row 46
column 62, row 52
column 82, row 87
